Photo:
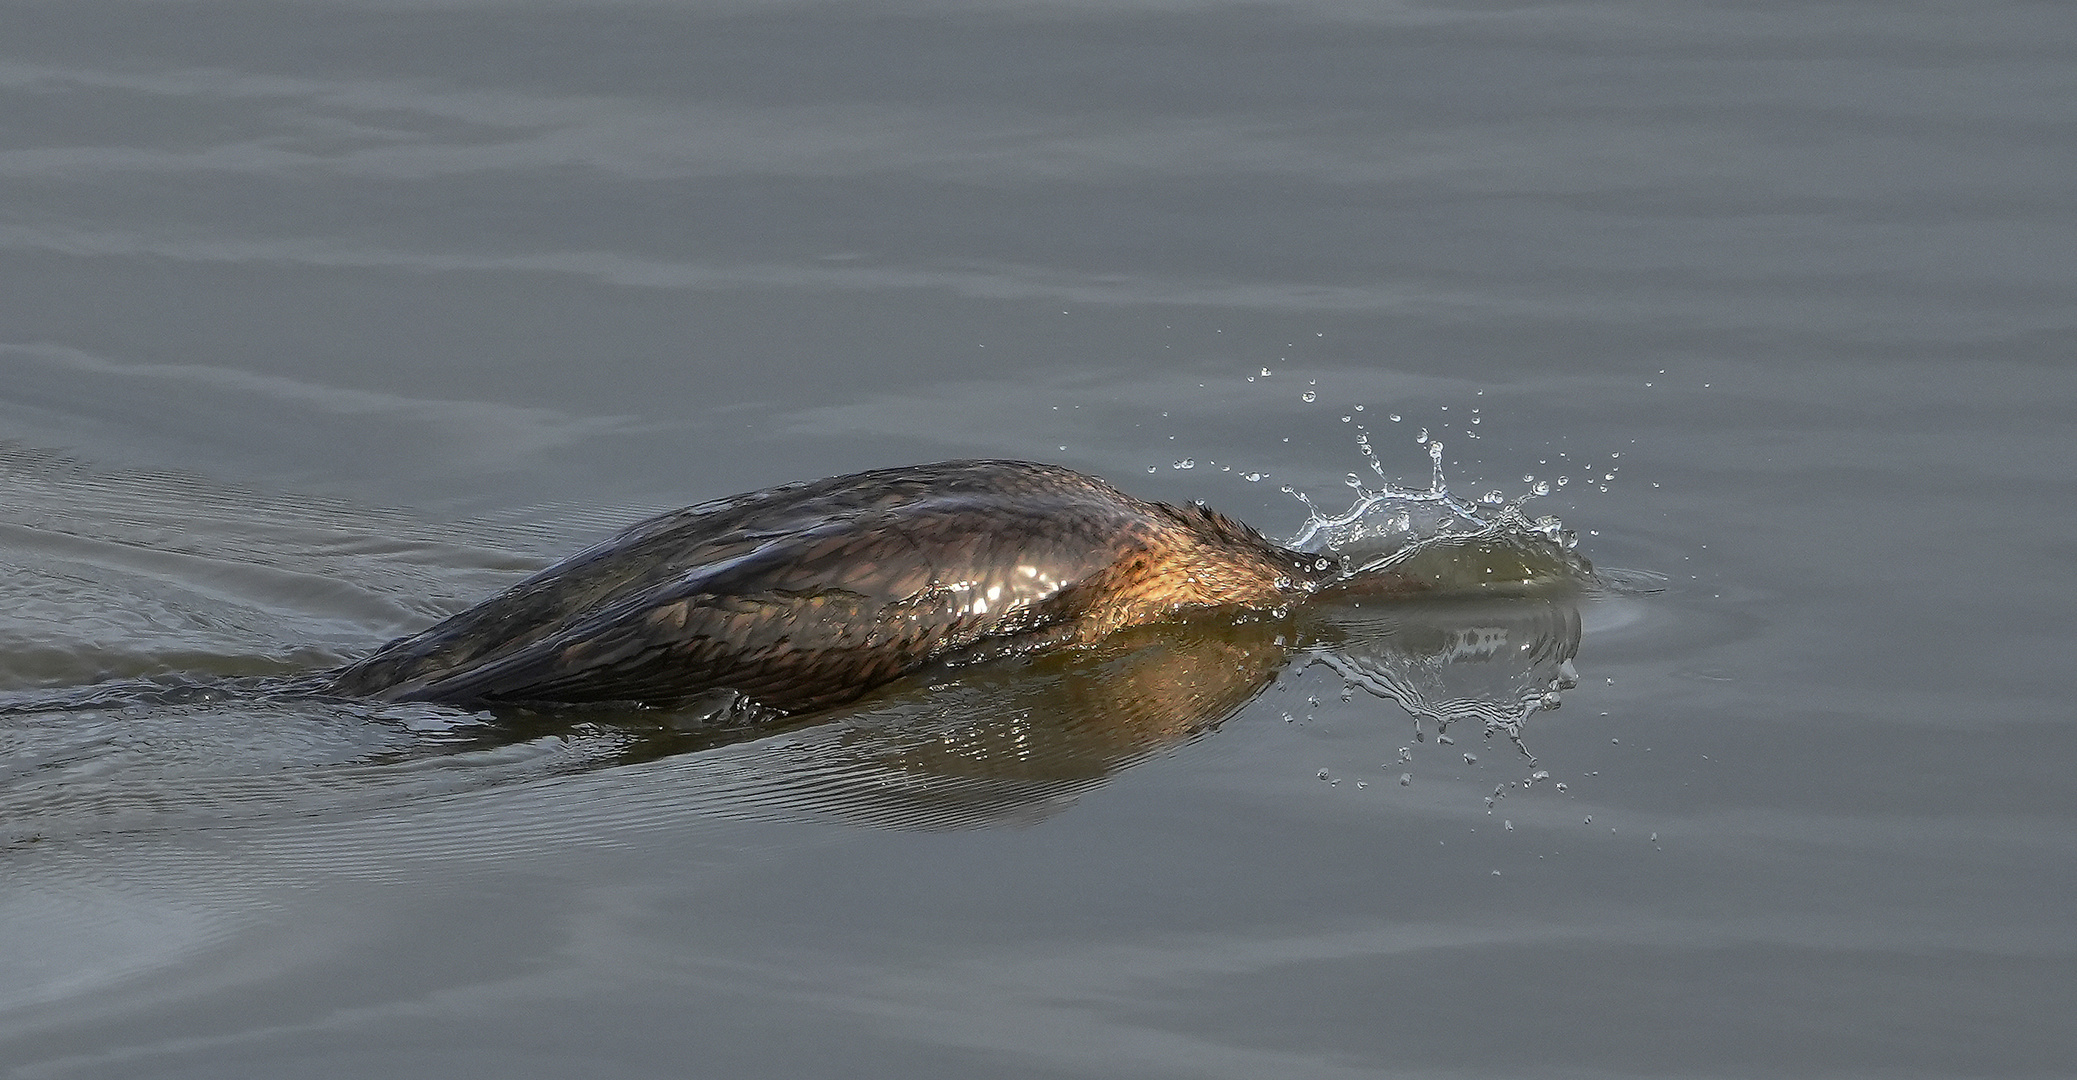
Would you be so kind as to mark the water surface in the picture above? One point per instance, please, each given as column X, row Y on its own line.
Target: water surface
column 326, row 319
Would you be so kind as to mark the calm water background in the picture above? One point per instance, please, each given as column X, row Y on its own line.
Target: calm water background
column 320, row 319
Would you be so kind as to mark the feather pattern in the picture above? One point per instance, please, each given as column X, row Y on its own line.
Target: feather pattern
column 807, row 595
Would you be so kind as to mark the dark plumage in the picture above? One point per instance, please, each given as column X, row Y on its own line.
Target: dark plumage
column 810, row 594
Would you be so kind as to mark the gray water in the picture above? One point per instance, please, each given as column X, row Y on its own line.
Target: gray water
column 320, row 320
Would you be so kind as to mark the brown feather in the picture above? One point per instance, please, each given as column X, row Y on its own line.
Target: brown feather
column 807, row 595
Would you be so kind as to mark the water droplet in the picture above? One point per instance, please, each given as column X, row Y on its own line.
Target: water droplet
column 1508, row 823
column 1395, row 418
column 1309, row 396
column 1252, row 478
column 1265, row 373
column 1186, row 463
column 1471, row 759
column 1323, row 774
column 1561, row 785
column 1589, row 820
column 1405, row 778
column 1153, row 468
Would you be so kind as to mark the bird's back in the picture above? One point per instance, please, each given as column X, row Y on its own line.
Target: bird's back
column 808, row 594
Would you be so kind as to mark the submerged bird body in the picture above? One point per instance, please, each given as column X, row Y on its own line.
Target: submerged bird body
column 810, row 594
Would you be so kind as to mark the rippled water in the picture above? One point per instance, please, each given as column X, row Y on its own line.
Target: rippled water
column 324, row 320
column 165, row 735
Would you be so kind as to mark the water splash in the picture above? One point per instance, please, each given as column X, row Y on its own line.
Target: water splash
column 1491, row 665
column 1459, row 542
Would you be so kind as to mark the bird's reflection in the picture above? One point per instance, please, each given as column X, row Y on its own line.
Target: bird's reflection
column 993, row 742
column 1016, row 738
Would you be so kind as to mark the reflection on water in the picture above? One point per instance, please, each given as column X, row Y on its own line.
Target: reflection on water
column 231, row 740
column 1007, row 740
column 1015, row 739
column 1486, row 663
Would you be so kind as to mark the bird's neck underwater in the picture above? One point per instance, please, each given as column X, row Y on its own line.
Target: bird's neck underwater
column 1197, row 557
